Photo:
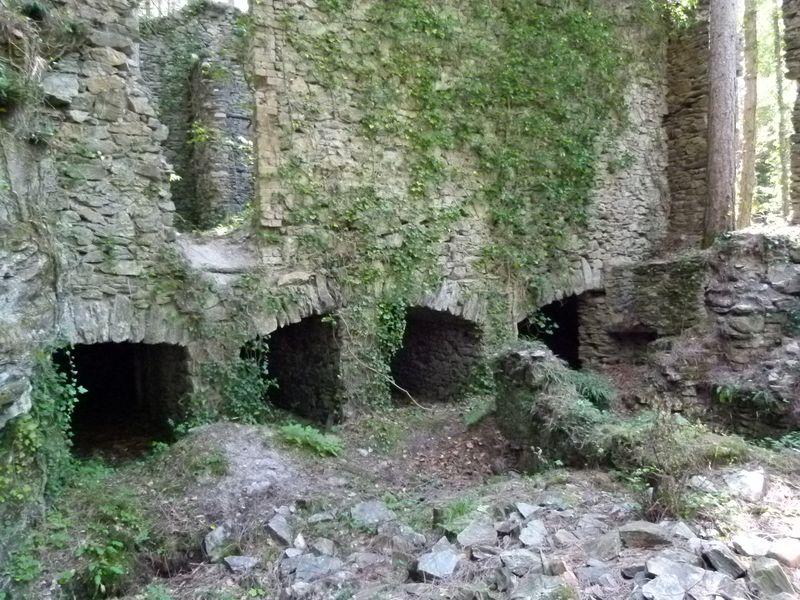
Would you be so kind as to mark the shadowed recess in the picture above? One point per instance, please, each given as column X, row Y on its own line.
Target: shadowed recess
column 303, row 359
column 132, row 390
column 438, row 356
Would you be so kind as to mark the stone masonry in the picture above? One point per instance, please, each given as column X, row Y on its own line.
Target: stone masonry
column 791, row 16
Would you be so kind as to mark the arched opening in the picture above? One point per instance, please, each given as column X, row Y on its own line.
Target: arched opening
column 438, row 355
column 304, row 361
column 558, row 326
column 132, row 390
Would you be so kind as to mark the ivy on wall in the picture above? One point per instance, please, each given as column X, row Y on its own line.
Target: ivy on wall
column 511, row 100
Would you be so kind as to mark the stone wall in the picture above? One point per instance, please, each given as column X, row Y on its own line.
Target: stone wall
column 791, row 17
column 193, row 65
column 687, row 129
column 301, row 121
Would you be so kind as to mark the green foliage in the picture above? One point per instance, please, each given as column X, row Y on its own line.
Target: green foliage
column 34, row 10
column 37, row 446
column 107, row 566
column 14, row 90
column 242, row 386
column 199, row 134
column 455, row 515
column 311, row 438
column 23, row 565
column 789, row 441
column 594, row 387
column 156, row 591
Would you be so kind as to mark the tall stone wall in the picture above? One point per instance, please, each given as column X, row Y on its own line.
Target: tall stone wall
column 791, row 16
column 301, row 120
column 687, row 129
column 193, row 66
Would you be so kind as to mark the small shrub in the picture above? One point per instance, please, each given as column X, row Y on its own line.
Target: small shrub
column 34, row 10
column 455, row 516
column 106, row 568
column 594, row 387
column 156, row 591
column 14, row 90
column 311, row 438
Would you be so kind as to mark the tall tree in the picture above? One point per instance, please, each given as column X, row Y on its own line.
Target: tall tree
column 747, row 181
column 783, row 128
column 721, row 121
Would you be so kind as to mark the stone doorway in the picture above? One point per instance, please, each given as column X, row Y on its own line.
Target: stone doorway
column 132, row 392
column 304, row 360
column 438, row 356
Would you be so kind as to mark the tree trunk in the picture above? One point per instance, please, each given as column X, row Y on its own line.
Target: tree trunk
column 721, row 121
column 783, row 129
column 747, row 183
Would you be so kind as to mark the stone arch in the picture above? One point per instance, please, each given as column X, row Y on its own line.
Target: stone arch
column 439, row 354
column 303, row 359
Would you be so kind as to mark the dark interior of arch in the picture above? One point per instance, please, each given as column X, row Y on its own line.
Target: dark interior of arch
column 438, row 355
column 304, row 360
column 132, row 390
column 562, row 335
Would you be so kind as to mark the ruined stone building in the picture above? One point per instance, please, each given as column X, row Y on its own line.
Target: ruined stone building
column 209, row 181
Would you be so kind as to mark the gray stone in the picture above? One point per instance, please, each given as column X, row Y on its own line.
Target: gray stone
column 438, row 564
column 606, row 547
column 534, row 534
column 370, row 514
column 769, row 577
column 279, row 528
column 786, row 551
column 478, row 532
column 324, row 547
column 60, row 88
column 216, row 541
column 641, row 534
column 723, row 559
column 747, row 485
column 701, row 483
column 240, row 565
column 362, row 560
column 542, row 587
column 750, row 545
column 520, row 561
column 321, row 517
column 311, row 568
column 526, row 510
column 564, row 539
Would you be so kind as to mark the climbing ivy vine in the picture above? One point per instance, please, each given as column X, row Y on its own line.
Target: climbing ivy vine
column 508, row 103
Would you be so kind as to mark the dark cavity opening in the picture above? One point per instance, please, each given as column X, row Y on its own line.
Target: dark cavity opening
column 558, row 326
column 132, row 392
column 632, row 344
column 304, row 361
column 438, row 355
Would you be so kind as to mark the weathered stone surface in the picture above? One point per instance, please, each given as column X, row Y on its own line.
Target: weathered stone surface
column 438, row 564
column 769, row 578
column 723, row 559
column 240, row 565
column 478, row 532
column 60, row 88
column 748, row 485
column 216, row 541
column 371, row 513
column 533, row 534
column 786, row 551
column 750, row 545
column 606, row 547
column 641, row 534
column 311, row 568
column 324, row 547
column 520, row 561
column 279, row 528
column 542, row 587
